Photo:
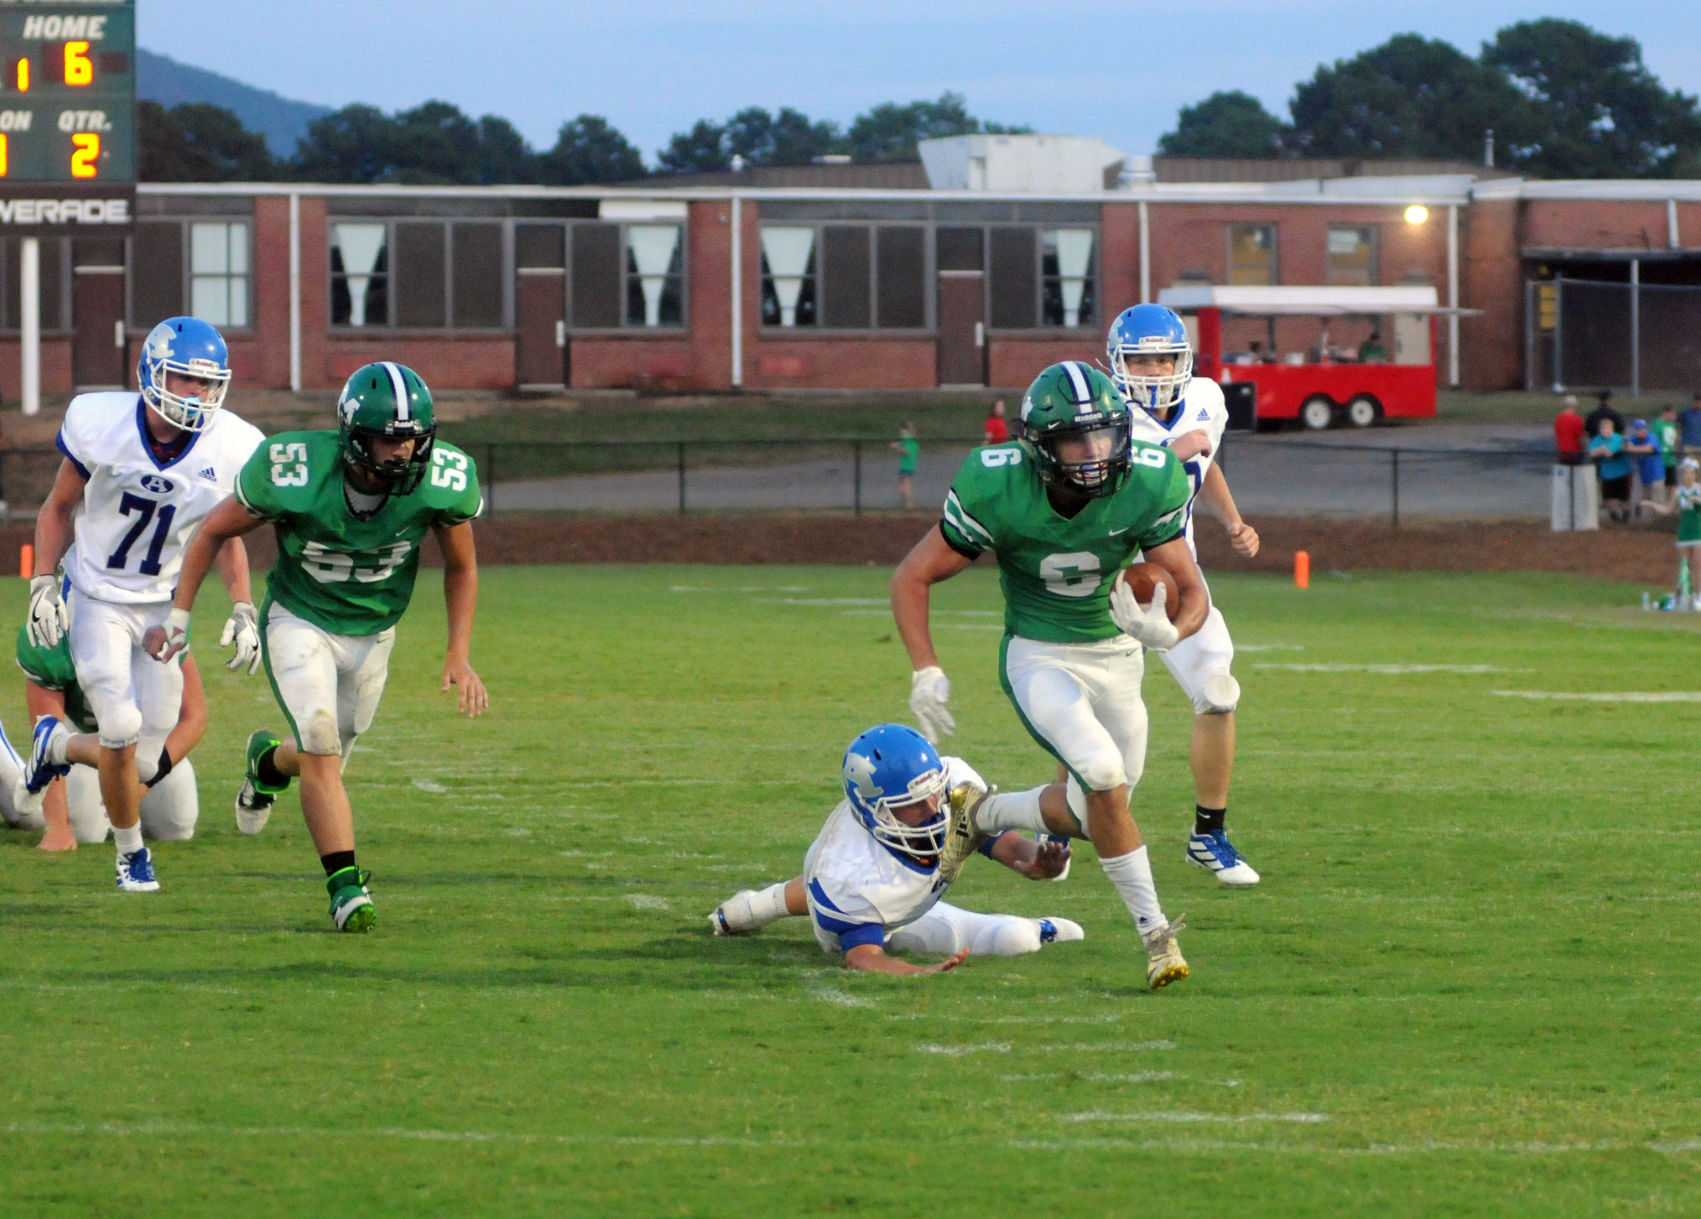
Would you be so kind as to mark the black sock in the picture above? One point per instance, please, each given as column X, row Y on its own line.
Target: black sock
column 336, row 861
column 265, row 769
column 1208, row 820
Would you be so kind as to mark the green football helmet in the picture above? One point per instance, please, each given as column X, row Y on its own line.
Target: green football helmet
column 1075, row 427
column 387, row 399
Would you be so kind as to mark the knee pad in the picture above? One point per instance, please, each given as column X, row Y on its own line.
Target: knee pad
column 1104, row 772
column 1218, row 696
column 319, row 734
column 121, row 725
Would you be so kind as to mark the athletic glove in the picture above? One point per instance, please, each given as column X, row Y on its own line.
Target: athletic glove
column 242, row 629
column 1148, row 625
column 47, row 621
column 929, row 690
column 165, row 641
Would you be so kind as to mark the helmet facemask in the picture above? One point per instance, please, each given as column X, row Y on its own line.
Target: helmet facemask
column 1091, row 457
column 400, row 475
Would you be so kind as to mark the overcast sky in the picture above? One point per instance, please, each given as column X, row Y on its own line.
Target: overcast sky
column 1119, row 71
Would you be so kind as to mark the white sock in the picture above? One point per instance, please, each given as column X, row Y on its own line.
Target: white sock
column 1132, row 876
column 128, row 841
column 754, row 909
column 1011, row 811
column 57, row 742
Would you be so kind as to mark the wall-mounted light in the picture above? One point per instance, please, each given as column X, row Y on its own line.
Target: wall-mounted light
column 1417, row 213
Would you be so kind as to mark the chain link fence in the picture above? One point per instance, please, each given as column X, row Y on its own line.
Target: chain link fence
column 1270, row 475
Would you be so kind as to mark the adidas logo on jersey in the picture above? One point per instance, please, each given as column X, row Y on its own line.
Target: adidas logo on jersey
column 1204, row 416
column 210, row 474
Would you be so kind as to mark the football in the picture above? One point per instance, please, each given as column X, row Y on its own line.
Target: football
column 1142, row 578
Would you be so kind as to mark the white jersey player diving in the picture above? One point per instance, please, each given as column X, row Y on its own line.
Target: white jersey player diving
column 874, row 878
column 1151, row 361
column 143, row 469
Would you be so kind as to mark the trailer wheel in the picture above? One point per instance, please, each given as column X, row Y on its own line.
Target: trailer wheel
column 1363, row 410
column 1317, row 413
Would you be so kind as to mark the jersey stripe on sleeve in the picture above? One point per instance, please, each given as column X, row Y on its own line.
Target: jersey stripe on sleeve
column 971, row 535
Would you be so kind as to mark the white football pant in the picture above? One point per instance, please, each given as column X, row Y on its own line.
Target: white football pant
column 329, row 685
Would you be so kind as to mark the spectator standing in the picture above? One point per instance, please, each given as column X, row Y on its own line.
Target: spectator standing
column 1603, row 410
column 1568, row 433
column 997, row 430
column 1608, row 450
column 908, row 449
column 1644, row 451
column 1689, row 426
column 1666, row 433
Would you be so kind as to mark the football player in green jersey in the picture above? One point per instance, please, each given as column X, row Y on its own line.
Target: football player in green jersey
column 350, row 509
column 1065, row 507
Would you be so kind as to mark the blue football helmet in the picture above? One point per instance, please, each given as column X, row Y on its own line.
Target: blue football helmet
column 886, row 768
column 191, row 348
column 1150, row 330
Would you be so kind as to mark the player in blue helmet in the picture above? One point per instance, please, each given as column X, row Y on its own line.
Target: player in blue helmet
column 875, row 874
column 1151, row 361
column 139, row 474
column 191, row 349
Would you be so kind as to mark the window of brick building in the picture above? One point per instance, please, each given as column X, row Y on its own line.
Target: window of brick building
column 1352, row 254
column 1252, row 254
column 655, row 275
column 218, row 273
column 360, row 274
column 853, row 276
column 1066, row 270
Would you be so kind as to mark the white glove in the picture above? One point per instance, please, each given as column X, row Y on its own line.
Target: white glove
column 929, row 689
column 1150, row 626
column 242, row 629
column 164, row 642
column 47, row 620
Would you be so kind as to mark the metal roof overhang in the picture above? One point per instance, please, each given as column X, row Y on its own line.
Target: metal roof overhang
column 1567, row 254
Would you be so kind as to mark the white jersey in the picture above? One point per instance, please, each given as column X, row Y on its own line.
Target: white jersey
column 1202, row 407
column 858, row 890
column 137, row 512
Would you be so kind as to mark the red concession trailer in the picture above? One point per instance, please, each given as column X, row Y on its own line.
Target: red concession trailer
column 1319, row 385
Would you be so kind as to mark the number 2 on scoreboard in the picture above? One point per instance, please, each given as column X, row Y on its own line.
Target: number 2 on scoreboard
column 86, row 151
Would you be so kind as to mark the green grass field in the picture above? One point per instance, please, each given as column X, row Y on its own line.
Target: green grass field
column 1465, row 987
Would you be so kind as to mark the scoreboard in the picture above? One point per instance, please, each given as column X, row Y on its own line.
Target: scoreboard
column 67, row 117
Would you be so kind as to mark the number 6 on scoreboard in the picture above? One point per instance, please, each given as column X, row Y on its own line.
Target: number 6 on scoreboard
column 87, row 152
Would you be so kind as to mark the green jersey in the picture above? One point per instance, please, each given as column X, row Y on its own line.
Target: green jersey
column 1056, row 571
column 1689, row 515
column 51, row 669
column 1666, row 432
column 347, row 575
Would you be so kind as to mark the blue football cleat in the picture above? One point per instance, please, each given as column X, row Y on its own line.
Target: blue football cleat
column 41, row 772
column 136, row 872
column 1215, row 853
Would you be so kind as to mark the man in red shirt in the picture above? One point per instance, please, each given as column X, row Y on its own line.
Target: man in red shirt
column 997, row 430
column 1568, row 433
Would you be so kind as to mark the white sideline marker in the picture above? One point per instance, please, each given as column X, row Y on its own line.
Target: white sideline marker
column 1193, row 1117
column 1384, row 669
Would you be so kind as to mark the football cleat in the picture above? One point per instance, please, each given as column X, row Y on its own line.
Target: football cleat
column 41, row 770
column 1060, row 838
column 1060, row 931
column 254, row 801
column 962, row 836
column 734, row 916
column 1215, row 853
column 1164, row 962
column 351, row 901
column 136, row 872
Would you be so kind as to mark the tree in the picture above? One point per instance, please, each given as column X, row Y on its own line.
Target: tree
column 890, row 132
column 1410, row 97
column 1603, row 113
column 703, row 149
column 1227, row 124
column 434, row 144
column 788, row 138
column 354, row 144
column 588, row 150
column 198, row 142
